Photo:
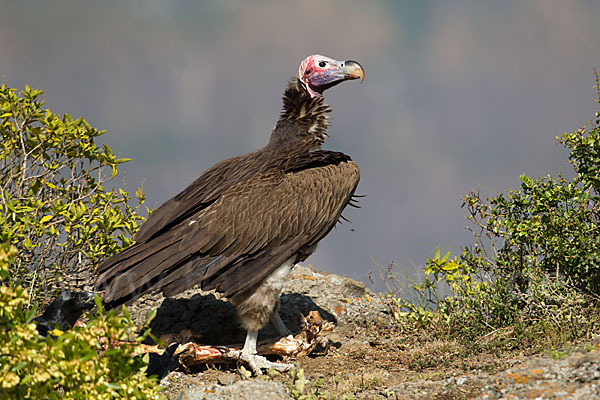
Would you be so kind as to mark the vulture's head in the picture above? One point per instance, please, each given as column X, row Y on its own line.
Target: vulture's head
column 319, row 73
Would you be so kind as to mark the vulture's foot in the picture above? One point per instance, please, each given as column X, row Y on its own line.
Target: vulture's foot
column 255, row 362
column 258, row 363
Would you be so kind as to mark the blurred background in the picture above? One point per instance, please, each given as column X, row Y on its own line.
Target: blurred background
column 458, row 96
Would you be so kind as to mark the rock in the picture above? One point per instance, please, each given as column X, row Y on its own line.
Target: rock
column 353, row 288
column 574, row 377
column 226, row 379
column 248, row 390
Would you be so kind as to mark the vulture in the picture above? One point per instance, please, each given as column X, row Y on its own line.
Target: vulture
column 240, row 227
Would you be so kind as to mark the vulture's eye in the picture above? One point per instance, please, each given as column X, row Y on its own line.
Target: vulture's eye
column 322, row 64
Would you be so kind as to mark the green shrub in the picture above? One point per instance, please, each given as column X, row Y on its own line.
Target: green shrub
column 542, row 240
column 535, row 263
column 66, row 365
column 54, row 207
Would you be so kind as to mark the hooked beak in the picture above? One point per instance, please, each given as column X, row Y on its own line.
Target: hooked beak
column 353, row 70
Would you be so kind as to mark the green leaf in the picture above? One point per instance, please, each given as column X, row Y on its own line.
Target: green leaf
column 98, row 303
column 108, row 151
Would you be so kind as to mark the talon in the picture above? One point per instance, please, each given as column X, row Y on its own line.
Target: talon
column 258, row 363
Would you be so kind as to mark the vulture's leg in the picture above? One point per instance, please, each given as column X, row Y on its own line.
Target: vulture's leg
column 258, row 307
column 250, row 344
column 279, row 326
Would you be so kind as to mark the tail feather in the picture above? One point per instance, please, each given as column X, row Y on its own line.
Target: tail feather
column 129, row 274
column 124, row 260
column 146, row 273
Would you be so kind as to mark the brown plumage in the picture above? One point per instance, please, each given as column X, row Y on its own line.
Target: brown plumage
column 245, row 217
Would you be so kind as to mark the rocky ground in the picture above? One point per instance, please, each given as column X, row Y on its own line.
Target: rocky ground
column 368, row 357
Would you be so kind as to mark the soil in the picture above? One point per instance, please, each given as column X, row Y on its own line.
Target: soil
column 369, row 358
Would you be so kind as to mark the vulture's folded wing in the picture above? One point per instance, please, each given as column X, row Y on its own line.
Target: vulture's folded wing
column 231, row 233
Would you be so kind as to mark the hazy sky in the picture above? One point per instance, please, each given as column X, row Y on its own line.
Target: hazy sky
column 458, row 95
